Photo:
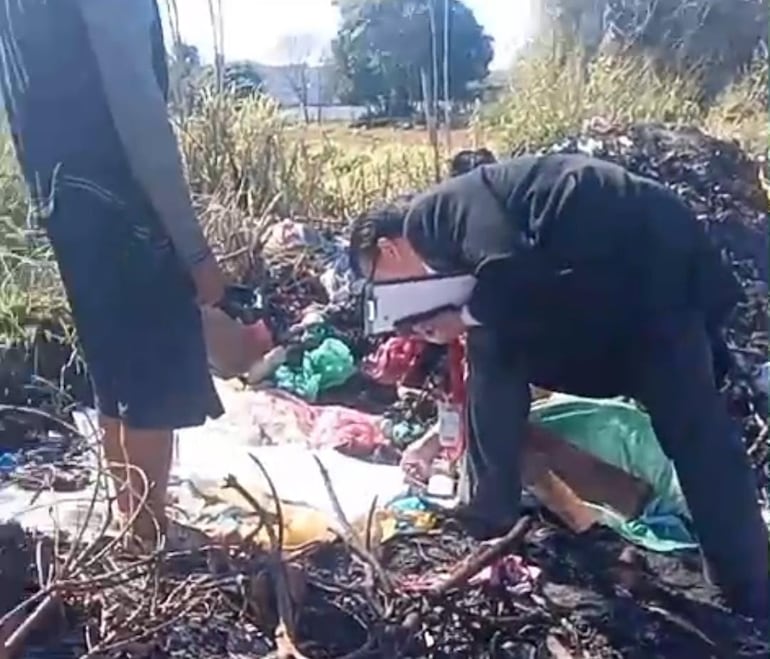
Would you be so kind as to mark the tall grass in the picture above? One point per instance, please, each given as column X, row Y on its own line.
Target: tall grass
column 29, row 284
column 552, row 95
column 247, row 166
column 245, row 148
column 741, row 111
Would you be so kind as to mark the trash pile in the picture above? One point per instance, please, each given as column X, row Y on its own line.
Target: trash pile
column 299, row 536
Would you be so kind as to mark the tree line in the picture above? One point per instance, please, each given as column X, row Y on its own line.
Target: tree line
column 394, row 55
column 388, row 55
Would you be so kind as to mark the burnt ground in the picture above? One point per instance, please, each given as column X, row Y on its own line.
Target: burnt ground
column 597, row 596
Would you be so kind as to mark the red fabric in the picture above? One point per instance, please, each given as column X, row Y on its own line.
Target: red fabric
column 457, row 372
column 332, row 426
column 394, row 360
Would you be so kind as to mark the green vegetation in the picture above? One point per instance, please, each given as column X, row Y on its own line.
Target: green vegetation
column 552, row 95
column 385, row 47
column 248, row 166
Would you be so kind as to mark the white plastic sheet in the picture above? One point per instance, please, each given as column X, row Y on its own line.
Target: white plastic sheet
column 205, row 456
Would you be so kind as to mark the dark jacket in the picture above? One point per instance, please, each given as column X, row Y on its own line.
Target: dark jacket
column 85, row 84
column 567, row 243
column 53, row 91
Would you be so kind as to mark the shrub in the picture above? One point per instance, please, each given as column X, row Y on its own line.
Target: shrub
column 740, row 112
column 552, row 95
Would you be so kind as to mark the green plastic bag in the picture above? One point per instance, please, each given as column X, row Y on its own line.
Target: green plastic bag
column 621, row 435
column 329, row 365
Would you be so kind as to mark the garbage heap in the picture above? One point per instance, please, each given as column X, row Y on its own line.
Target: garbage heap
column 723, row 186
column 400, row 579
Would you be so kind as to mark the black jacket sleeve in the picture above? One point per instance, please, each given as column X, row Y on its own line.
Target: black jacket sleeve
column 459, row 224
column 462, row 226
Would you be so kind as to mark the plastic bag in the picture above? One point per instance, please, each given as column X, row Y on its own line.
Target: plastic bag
column 618, row 433
column 329, row 365
column 621, row 434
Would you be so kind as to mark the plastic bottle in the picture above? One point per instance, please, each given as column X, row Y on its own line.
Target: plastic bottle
column 450, row 426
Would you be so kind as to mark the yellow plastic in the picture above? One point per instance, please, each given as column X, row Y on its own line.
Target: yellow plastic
column 302, row 525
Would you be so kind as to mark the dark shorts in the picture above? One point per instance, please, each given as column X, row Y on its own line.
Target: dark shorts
column 134, row 311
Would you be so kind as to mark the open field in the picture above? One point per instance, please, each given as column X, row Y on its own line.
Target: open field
column 247, row 165
column 367, row 138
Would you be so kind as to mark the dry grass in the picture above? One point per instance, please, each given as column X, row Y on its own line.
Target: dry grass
column 246, row 150
column 373, row 138
column 552, row 96
column 29, row 281
column 741, row 112
column 247, row 165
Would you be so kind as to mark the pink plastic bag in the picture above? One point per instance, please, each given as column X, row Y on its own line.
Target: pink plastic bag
column 358, row 434
column 394, row 360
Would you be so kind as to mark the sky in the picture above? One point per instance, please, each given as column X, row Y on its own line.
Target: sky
column 259, row 29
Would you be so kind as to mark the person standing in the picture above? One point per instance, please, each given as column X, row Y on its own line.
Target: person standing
column 84, row 84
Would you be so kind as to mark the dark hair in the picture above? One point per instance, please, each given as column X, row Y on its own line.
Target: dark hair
column 467, row 160
column 384, row 221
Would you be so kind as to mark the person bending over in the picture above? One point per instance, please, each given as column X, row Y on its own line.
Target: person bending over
column 592, row 281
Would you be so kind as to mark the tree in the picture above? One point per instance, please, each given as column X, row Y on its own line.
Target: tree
column 187, row 76
column 717, row 37
column 385, row 47
column 327, row 81
column 242, row 79
column 298, row 50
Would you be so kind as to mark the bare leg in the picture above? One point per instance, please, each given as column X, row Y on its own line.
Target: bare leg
column 139, row 458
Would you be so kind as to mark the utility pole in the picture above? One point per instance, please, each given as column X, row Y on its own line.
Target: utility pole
column 447, row 100
column 434, row 55
column 430, row 120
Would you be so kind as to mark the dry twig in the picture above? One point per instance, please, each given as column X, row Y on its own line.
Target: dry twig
column 351, row 536
column 284, row 632
column 484, row 557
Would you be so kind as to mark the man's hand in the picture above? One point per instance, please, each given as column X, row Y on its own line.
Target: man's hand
column 444, row 327
column 209, row 281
